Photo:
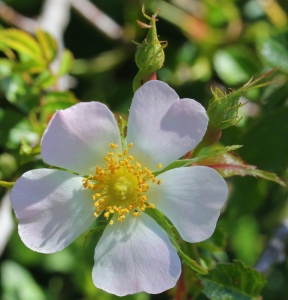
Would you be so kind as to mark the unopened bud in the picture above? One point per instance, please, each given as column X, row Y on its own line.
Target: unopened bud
column 223, row 109
column 150, row 56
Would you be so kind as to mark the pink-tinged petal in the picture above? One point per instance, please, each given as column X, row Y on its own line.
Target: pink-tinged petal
column 135, row 256
column 163, row 127
column 191, row 198
column 78, row 137
column 52, row 208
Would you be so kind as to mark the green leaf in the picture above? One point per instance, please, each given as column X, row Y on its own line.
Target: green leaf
column 189, row 162
column 6, row 184
column 18, row 92
column 66, row 62
column 6, row 66
column 17, row 283
column 45, row 80
column 274, row 52
column 266, row 143
column 235, row 64
column 168, row 228
column 48, row 45
column 7, row 51
column 27, row 153
column 29, row 66
column 58, row 100
column 8, row 165
column 233, row 282
column 22, row 42
column 230, row 164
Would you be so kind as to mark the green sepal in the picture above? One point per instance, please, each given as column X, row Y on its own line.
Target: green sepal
column 168, row 228
column 189, row 162
column 93, row 231
column 6, row 184
column 223, row 108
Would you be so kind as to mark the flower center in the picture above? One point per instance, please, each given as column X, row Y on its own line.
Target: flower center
column 120, row 187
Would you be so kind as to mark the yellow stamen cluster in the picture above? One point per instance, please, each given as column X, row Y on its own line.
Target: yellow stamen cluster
column 120, row 187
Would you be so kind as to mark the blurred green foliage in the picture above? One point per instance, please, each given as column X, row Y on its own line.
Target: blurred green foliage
column 219, row 44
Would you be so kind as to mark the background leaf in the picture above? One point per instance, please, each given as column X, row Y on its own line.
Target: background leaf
column 233, row 282
column 21, row 42
column 230, row 164
column 48, row 45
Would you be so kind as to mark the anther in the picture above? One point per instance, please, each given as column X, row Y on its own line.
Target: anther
column 130, row 145
column 113, row 145
column 111, row 222
column 159, row 166
column 159, row 182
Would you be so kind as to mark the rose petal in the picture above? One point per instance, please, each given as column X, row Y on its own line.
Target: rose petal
column 163, row 127
column 135, row 256
column 52, row 208
column 191, row 198
column 78, row 137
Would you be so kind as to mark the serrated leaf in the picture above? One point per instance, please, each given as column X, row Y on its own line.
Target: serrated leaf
column 6, row 184
column 230, row 164
column 22, row 42
column 189, row 162
column 65, row 62
column 48, row 45
column 167, row 227
column 233, row 282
